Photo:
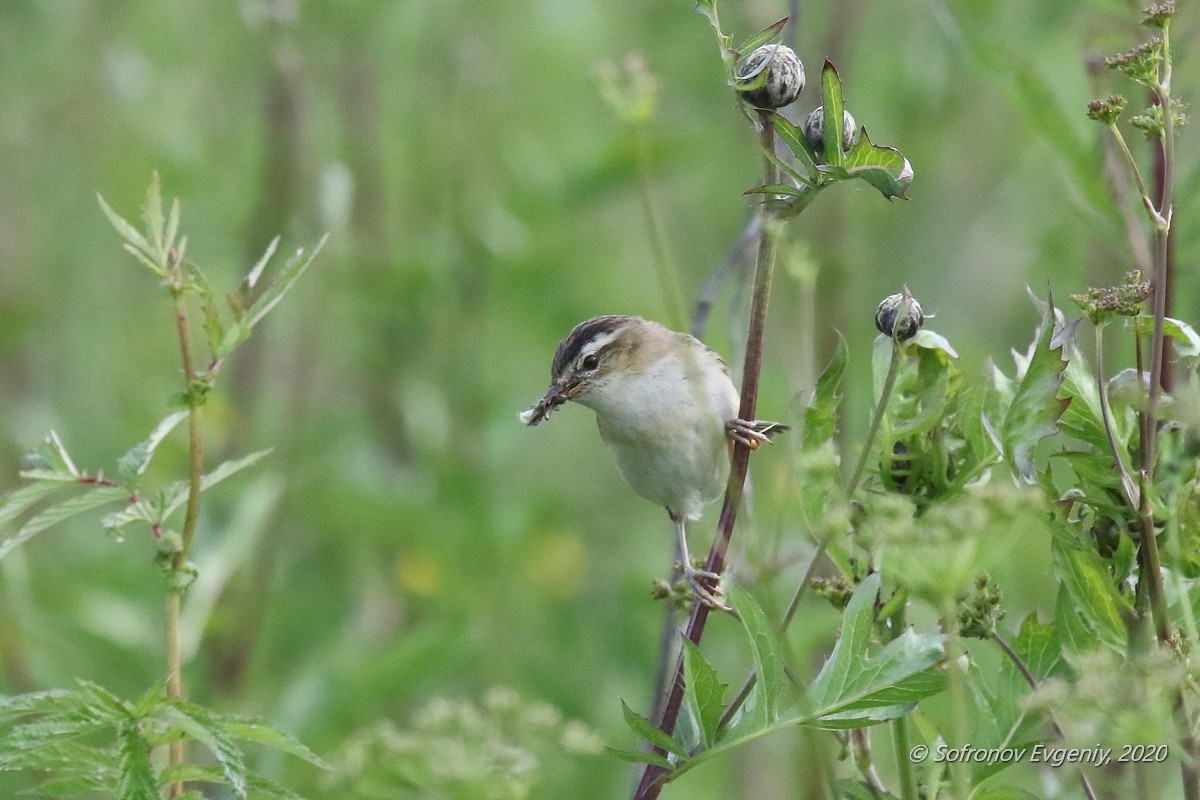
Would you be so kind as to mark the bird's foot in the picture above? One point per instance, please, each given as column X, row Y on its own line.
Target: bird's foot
column 711, row 597
column 753, row 433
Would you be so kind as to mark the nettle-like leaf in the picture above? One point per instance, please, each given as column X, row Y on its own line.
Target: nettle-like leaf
column 1036, row 407
column 1090, row 611
column 768, row 659
column 133, row 464
column 46, row 732
column 820, row 415
column 857, row 688
column 704, row 693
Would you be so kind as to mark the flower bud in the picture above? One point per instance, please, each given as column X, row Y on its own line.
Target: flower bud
column 814, row 130
column 784, row 76
column 899, row 316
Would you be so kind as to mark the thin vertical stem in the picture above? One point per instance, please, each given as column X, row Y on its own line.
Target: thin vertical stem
column 175, row 687
column 889, row 383
column 651, row 784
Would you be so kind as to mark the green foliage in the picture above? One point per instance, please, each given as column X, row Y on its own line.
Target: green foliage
column 91, row 740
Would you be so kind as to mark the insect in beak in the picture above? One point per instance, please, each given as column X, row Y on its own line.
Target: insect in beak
column 555, row 396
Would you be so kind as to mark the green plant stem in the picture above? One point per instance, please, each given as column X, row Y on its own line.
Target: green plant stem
column 960, row 777
column 1127, row 482
column 660, row 242
column 904, row 767
column 651, row 783
column 1023, row 668
column 191, row 515
column 889, row 383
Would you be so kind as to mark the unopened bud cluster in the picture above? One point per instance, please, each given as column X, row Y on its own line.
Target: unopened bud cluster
column 899, row 316
column 814, row 130
column 773, row 75
column 1125, row 300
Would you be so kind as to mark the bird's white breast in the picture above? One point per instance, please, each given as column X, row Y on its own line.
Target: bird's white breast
column 665, row 423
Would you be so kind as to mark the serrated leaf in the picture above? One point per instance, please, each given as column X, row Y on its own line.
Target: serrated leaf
column 134, row 239
column 259, row 787
column 207, row 729
column 176, row 494
column 852, row 682
column 152, row 215
column 286, row 278
column 93, row 498
column 885, row 168
column 762, row 37
column 135, row 775
column 1092, row 596
column 703, row 692
column 768, row 661
column 1036, row 408
column 821, row 413
column 46, row 702
column 645, row 729
column 22, row 499
column 640, row 757
column 262, row 732
column 134, row 463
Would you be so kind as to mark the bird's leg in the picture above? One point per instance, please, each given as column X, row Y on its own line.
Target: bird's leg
column 754, row 432
column 695, row 577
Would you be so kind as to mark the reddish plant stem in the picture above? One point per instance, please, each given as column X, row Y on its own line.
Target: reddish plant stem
column 651, row 783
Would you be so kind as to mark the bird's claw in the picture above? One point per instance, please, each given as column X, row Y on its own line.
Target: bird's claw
column 710, row 597
column 753, row 433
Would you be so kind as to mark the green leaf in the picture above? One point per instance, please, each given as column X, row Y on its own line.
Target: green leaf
column 932, row 340
column 768, row 661
column 882, row 167
column 262, row 732
column 134, row 463
column 793, row 137
column 152, row 215
column 647, row 730
column 136, row 242
column 1036, row 407
column 821, row 413
column 855, row 688
column 834, row 104
column 703, row 692
column 176, row 494
column 1184, row 337
column 22, row 499
column 641, row 757
column 286, row 278
column 93, row 498
column 762, row 37
column 208, row 729
column 256, row 271
column 136, row 776
column 1090, row 592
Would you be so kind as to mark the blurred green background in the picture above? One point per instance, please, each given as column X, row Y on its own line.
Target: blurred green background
column 409, row 539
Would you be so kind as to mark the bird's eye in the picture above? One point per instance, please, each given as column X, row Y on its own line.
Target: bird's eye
column 591, row 361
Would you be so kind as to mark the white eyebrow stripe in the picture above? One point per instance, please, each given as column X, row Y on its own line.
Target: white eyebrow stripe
column 599, row 343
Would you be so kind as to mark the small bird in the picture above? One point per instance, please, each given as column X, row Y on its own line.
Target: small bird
column 666, row 405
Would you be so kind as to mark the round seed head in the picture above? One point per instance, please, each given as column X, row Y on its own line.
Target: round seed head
column 784, row 76
column 814, row 130
column 899, row 316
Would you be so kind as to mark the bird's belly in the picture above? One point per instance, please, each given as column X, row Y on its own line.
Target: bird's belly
column 684, row 476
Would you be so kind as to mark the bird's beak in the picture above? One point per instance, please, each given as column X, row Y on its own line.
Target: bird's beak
column 555, row 396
